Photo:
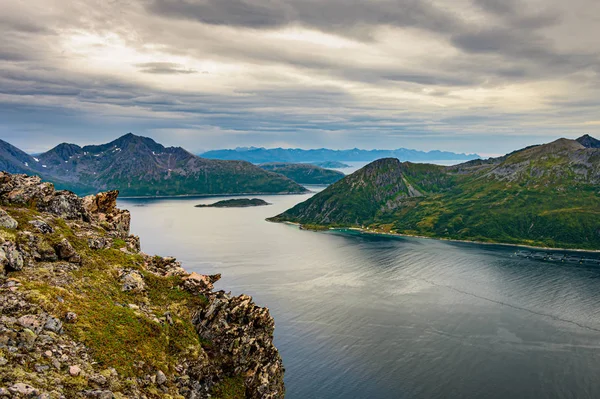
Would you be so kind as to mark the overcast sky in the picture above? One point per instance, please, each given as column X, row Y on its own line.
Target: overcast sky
column 485, row 76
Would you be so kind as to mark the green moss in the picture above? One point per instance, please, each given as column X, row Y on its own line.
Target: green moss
column 7, row 234
column 230, row 388
column 118, row 335
column 118, row 243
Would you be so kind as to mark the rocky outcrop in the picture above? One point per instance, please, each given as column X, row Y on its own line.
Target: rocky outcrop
column 86, row 314
column 6, row 221
column 30, row 191
column 243, row 333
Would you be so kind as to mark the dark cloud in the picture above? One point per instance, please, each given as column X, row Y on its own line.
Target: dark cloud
column 345, row 16
column 164, row 68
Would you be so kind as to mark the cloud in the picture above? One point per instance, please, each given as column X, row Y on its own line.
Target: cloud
column 341, row 16
column 429, row 74
column 164, row 68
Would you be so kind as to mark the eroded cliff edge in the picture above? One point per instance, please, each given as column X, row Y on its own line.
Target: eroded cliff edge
column 85, row 313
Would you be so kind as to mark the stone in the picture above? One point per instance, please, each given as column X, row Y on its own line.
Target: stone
column 66, row 205
column 41, row 368
column 167, row 266
column 100, row 242
column 45, row 253
column 53, row 324
column 3, row 361
column 103, row 208
column 31, row 322
column 195, row 281
column 23, row 389
column 132, row 281
column 65, row 251
column 98, row 380
column 102, row 202
column 169, row 318
column 74, row 370
column 7, row 221
column 71, row 317
column 10, row 257
column 98, row 394
column 133, row 244
column 27, row 338
column 161, row 378
column 42, row 226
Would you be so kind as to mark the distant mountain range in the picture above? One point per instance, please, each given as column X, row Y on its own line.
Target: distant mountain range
column 546, row 195
column 265, row 155
column 138, row 166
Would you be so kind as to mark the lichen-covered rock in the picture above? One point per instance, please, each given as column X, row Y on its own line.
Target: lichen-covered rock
column 200, row 282
column 132, row 281
column 100, row 242
column 10, row 257
column 23, row 390
column 65, row 251
column 7, row 221
column 42, row 226
column 244, row 333
column 164, row 266
column 30, row 191
column 103, row 207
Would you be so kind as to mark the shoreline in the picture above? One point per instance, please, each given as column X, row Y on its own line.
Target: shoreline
column 365, row 231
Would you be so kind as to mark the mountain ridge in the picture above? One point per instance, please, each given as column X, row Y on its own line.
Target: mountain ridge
column 139, row 166
column 545, row 195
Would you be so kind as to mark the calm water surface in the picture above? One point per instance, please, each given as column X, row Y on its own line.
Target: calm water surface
column 373, row 317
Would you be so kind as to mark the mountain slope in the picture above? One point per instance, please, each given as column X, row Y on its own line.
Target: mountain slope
column 588, row 141
column 296, row 155
column 304, row 173
column 138, row 166
column 546, row 195
column 14, row 160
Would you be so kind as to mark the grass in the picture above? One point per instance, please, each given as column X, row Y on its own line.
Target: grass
column 117, row 335
column 230, row 388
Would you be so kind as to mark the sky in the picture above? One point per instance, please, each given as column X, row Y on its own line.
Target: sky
column 485, row 76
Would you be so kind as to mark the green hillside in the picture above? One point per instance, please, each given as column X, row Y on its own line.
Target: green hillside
column 304, row 173
column 546, row 195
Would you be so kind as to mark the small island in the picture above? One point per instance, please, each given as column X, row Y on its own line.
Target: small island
column 235, row 203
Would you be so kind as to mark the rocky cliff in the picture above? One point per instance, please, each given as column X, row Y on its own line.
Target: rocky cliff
column 86, row 314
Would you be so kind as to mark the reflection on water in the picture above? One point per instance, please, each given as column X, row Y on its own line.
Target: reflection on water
column 361, row 316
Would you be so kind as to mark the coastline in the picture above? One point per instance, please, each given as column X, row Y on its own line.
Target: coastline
column 365, row 231
column 381, row 233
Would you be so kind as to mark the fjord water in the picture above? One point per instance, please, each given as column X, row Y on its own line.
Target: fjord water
column 361, row 316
